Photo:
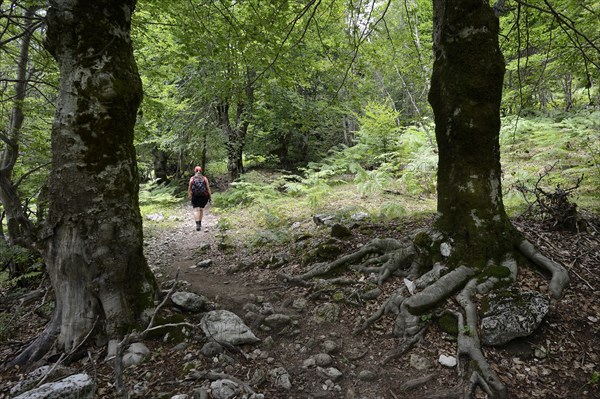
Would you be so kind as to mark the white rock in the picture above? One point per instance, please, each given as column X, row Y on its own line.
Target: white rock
column 80, row 386
column 224, row 389
column 135, row 354
column 225, row 326
column 410, row 286
column 281, row 378
column 447, row 361
column 445, row 249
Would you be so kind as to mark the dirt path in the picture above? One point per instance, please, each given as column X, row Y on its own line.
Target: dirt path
column 358, row 358
column 309, row 350
column 182, row 248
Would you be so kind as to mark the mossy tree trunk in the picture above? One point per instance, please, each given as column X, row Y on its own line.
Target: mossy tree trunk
column 470, row 248
column 466, row 90
column 93, row 238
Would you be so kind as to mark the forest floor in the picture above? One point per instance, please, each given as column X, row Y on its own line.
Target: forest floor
column 560, row 360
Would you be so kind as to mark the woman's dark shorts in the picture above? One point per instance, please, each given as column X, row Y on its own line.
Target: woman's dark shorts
column 199, row 201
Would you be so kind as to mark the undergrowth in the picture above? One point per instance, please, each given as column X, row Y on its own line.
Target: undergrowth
column 157, row 205
column 390, row 174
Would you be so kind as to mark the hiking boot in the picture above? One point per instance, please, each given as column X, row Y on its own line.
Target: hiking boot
column 198, row 226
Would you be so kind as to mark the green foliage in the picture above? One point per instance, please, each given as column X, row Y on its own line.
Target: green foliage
column 155, row 193
column 224, row 224
column 391, row 210
column 24, row 266
column 249, row 189
column 157, row 198
column 378, row 138
column 595, row 378
column 552, row 63
column 369, row 182
column 571, row 142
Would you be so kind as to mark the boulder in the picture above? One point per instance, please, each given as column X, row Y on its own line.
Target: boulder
column 224, row 389
column 340, row 231
column 135, row 354
column 512, row 314
column 189, row 301
column 79, row 386
column 225, row 326
column 51, row 373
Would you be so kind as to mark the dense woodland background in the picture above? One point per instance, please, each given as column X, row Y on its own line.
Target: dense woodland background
column 301, row 108
column 285, row 85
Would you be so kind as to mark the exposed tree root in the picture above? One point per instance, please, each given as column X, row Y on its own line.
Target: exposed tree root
column 388, row 251
column 387, row 257
column 40, row 346
column 470, row 358
column 560, row 278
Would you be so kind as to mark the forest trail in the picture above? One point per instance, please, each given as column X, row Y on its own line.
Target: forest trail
column 569, row 334
column 181, row 248
column 560, row 360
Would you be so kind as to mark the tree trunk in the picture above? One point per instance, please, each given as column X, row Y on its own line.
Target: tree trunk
column 161, row 165
column 93, row 243
column 235, row 131
column 568, row 87
column 19, row 228
column 466, row 90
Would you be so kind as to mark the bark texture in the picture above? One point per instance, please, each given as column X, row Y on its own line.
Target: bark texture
column 93, row 239
column 470, row 249
column 466, row 90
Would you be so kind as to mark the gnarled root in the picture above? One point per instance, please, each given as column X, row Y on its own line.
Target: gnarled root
column 470, row 357
column 391, row 305
column 41, row 345
column 560, row 277
column 430, row 289
column 382, row 248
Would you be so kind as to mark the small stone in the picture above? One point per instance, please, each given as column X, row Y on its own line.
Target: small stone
column 277, row 320
column 359, row 216
column 225, row 326
column 202, row 264
column 211, row 349
column 367, row 375
column 299, row 304
column 189, row 301
column 135, row 354
column 258, row 378
column 224, row 389
column 340, row 231
column 326, row 313
column 323, row 359
column 180, row 347
column 281, row 378
column 330, row 346
column 331, row 373
column 445, row 249
column 419, row 363
column 268, row 343
column 447, row 361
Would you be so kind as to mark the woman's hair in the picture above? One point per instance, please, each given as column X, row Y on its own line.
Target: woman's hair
column 197, row 169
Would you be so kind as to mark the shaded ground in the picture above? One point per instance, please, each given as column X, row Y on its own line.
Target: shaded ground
column 561, row 360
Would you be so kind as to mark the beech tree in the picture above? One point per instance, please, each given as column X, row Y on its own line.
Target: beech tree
column 472, row 245
column 92, row 239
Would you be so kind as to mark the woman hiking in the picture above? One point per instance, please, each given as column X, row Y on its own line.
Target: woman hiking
column 199, row 192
